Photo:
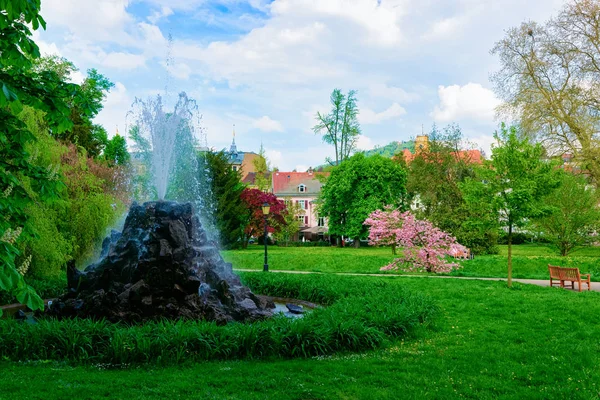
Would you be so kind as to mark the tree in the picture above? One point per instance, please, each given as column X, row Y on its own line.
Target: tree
column 116, row 151
column 21, row 180
column 254, row 199
column 261, row 168
column 574, row 215
column 434, row 178
column 340, row 127
column 292, row 224
column 383, row 226
column 425, row 247
column 513, row 185
column 550, row 78
column 229, row 210
column 357, row 187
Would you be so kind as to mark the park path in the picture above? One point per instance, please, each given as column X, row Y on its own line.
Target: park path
column 539, row 282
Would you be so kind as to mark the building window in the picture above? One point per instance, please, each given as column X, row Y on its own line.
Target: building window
column 302, row 188
column 303, row 204
column 301, row 219
column 235, row 168
column 321, row 221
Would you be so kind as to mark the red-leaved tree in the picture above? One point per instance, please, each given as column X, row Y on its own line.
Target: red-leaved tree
column 425, row 247
column 254, row 199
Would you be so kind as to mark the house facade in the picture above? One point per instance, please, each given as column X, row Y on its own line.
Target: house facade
column 242, row 160
column 303, row 188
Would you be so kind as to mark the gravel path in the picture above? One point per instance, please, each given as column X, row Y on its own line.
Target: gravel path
column 539, row 282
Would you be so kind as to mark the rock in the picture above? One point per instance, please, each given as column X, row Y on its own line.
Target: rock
column 295, row 309
column 160, row 266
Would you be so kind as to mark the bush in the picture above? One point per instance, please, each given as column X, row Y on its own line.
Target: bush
column 363, row 314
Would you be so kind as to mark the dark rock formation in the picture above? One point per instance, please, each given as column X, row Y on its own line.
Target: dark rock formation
column 161, row 265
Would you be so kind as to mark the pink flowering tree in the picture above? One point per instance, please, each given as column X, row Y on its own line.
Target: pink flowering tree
column 383, row 226
column 426, row 247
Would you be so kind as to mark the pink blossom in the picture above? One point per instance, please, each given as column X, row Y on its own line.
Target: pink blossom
column 426, row 247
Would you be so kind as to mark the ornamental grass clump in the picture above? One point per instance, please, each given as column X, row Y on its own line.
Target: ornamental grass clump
column 426, row 248
column 362, row 314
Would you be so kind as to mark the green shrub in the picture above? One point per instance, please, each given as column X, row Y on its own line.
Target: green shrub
column 362, row 314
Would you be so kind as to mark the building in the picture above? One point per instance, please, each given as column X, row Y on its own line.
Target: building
column 303, row 188
column 422, row 144
column 241, row 160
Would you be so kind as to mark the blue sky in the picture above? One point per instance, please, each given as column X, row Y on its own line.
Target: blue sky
column 269, row 66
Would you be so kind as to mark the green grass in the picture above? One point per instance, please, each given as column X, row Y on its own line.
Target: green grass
column 529, row 261
column 489, row 342
column 361, row 314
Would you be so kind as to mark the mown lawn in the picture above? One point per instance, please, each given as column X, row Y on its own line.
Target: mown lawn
column 529, row 261
column 489, row 342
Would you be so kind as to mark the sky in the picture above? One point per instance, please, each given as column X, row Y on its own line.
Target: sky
column 268, row 66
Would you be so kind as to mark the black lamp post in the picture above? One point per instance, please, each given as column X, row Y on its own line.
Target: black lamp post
column 265, row 209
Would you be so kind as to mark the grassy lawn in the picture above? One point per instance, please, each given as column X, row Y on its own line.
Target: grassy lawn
column 489, row 342
column 529, row 261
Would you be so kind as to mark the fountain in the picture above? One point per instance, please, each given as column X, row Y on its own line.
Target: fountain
column 162, row 264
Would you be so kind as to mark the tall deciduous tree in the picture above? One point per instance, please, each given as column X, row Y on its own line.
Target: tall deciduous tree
column 513, row 184
column 230, row 212
column 357, row 187
column 550, row 78
column 434, row 177
column 340, row 127
column 116, row 151
column 574, row 216
column 261, row 167
column 292, row 223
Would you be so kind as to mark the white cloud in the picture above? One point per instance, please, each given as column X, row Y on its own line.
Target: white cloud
column 364, row 143
column 484, row 142
column 301, row 168
column 157, row 15
column 179, row 70
column 120, row 60
column 368, row 116
column 275, row 157
column 383, row 91
column 471, row 101
column 117, row 104
column 266, row 124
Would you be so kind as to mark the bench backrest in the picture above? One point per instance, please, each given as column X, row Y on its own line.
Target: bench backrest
column 569, row 273
column 554, row 271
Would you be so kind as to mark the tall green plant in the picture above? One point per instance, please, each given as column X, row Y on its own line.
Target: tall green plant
column 230, row 212
column 513, row 185
column 340, row 127
column 20, row 179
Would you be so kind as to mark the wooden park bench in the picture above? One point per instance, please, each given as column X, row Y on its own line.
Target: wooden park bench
column 571, row 275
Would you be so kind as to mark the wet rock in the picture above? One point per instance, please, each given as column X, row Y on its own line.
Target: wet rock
column 160, row 266
column 295, row 309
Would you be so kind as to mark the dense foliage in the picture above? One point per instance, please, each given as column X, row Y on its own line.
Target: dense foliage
column 574, row 217
column 254, row 225
column 357, row 187
column 513, row 184
column 229, row 210
column 22, row 181
column 434, row 178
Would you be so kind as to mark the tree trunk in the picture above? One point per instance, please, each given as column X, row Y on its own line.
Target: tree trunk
column 509, row 255
column 394, row 249
column 356, row 243
column 339, row 242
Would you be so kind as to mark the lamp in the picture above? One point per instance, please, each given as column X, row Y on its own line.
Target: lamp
column 265, row 209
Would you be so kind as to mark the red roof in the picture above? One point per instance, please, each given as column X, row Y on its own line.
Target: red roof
column 472, row 156
column 288, row 182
